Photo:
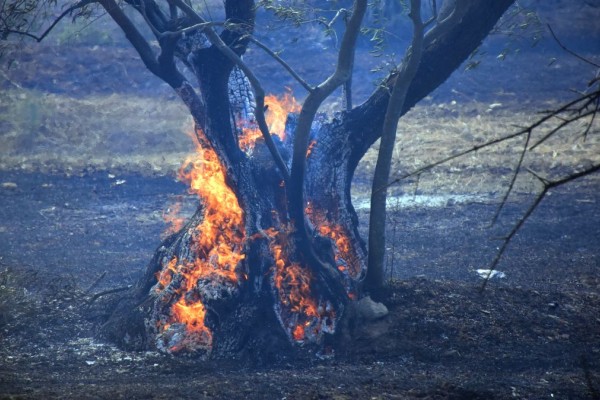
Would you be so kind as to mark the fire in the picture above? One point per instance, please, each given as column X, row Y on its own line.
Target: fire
column 192, row 315
column 278, row 110
column 344, row 255
column 307, row 317
column 173, row 219
column 217, row 250
column 165, row 276
column 310, row 148
column 276, row 115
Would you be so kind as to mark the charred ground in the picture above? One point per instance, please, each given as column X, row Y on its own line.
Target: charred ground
column 77, row 223
column 534, row 333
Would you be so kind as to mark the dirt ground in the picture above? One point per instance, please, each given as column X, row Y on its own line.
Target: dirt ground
column 533, row 334
column 81, row 212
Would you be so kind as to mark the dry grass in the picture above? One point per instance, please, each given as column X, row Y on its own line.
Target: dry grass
column 51, row 132
column 430, row 133
column 54, row 132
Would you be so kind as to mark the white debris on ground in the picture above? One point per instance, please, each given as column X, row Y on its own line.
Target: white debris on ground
column 8, row 185
column 423, row 201
column 490, row 274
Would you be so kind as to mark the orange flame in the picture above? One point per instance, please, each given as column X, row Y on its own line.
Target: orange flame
column 192, row 315
column 344, row 256
column 165, row 275
column 218, row 245
column 310, row 148
column 276, row 115
column 293, row 283
column 173, row 219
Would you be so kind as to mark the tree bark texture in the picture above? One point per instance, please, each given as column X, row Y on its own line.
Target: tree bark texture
column 266, row 300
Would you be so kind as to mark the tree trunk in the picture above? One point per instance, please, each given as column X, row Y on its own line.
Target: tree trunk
column 235, row 281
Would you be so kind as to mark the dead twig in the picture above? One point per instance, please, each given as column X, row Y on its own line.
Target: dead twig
column 107, row 292
column 547, row 186
column 284, row 64
column 95, row 283
column 513, row 179
column 565, row 48
column 68, row 11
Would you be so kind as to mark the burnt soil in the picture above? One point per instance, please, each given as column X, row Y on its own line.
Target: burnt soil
column 67, row 236
column 533, row 334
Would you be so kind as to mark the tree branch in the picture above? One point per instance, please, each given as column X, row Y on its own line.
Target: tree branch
column 446, row 46
column 513, row 178
column 578, row 111
column 133, row 35
column 69, row 10
column 284, row 64
column 565, row 48
column 259, row 92
column 295, row 190
column 547, row 186
column 444, row 160
column 377, row 217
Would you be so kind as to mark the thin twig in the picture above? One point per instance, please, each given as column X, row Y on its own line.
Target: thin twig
column 594, row 96
column 591, row 123
column 564, row 122
column 106, row 292
column 96, row 282
column 201, row 27
column 513, row 179
column 284, row 64
column 452, row 157
column 69, row 10
column 547, row 186
column 565, row 48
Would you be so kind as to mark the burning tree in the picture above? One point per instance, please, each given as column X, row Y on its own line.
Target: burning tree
column 272, row 258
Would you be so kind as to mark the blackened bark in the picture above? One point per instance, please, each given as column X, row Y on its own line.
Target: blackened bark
column 442, row 55
column 254, row 312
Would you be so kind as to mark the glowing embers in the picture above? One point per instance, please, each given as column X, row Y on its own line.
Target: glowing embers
column 303, row 315
column 345, row 258
column 209, row 268
column 277, row 110
column 173, row 219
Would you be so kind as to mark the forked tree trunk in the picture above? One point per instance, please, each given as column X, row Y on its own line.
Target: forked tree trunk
column 239, row 286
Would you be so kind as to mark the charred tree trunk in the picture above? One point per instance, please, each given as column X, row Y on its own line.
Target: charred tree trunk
column 235, row 281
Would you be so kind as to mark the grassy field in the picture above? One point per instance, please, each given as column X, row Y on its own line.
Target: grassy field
column 51, row 132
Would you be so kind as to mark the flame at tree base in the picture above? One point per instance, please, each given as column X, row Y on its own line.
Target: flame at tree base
column 303, row 316
column 208, row 262
column 211, row 266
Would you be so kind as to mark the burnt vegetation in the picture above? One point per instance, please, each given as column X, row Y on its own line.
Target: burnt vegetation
column 285, row 267
column 272, row 266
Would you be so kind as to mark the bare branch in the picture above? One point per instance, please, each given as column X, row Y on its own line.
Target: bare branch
column 107, row 292
column 284, row 64
column 197, row 27
column 578, row 110
column 95, row 283
column 259, row 92
column 565, row 48
column 547, row 186
column 455, row 156
column 339, row 13
column 591, row 123
column 68, row 11
column 295, row 191
column 513, row 179
column 133, row 34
